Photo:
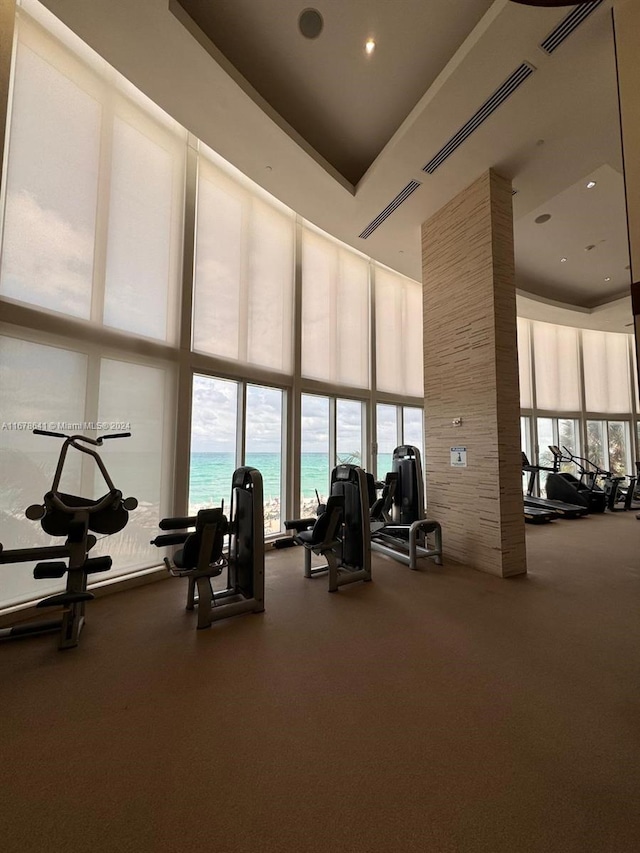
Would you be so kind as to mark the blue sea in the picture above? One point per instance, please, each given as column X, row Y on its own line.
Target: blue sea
column 210, row 475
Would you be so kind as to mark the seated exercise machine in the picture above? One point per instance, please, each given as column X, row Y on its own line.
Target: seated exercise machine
column 559, row 508
column 404, row 534
column 73, row 517
column 341, row 534
column 583, row 490
column 201, row 557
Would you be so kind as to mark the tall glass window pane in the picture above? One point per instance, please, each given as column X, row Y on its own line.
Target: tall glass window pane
column 40, row 386
column 545, row 458
column 314, row 462
column 349, row 432
column 569, row 437
column 597, row 443
column 525, row 444
column 413, row 430
column 618, row 439
column 134, row 394
column 387, row 437
column 263, row 448
column 142, row 244
column 52, row 184
column 213, row 442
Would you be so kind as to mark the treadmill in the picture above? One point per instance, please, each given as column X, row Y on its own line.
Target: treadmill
column 560, row 508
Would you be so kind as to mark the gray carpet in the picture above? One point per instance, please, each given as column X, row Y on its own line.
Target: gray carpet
column 439, row 711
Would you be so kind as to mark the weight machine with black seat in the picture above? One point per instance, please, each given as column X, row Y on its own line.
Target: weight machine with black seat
column 202, row 557
column 404, row 536
column 72, row 516
column 341, row 534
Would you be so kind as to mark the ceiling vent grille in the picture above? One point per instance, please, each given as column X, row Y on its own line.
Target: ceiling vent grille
column 568, row 25
column 403, row 195
column 490, row 106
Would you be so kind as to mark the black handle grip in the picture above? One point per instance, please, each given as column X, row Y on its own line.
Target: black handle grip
column 170, row 539
column 47, row 432
column 116, row 435
column 177, row 523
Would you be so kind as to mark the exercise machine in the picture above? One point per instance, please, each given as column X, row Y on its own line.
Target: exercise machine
column 77, row 519
column 404, row 534
column 560, row 508
column 202, row 556
column 341, row 535
column 583, row 490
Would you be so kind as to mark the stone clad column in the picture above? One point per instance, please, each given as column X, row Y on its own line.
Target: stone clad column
column 626, row 17
column 471, row 373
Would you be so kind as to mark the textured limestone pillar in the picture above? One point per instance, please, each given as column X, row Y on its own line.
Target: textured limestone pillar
column 7, row 18
column 471, row 372
column 626, row 16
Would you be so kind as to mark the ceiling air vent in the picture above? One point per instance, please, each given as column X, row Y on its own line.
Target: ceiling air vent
column 403, row 195
column 568, row 25
column 490, row 106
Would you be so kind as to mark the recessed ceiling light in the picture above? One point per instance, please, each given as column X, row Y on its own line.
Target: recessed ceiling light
column 608, row 278
column 563, row 260
column 591, row 185
column 369, row 46
column 269, row 168
column 544, row 217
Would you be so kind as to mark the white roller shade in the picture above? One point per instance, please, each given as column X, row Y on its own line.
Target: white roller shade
column 399, row 354
column 335, row 312
column 607, row 380
column 524, row 363
column 243, row 301
column 556, row 365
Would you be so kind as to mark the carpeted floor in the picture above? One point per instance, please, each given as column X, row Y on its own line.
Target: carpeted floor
column 439, row 711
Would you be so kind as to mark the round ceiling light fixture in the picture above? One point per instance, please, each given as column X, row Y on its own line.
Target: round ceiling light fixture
column 553, row 2
column 369, row 46
column 544, row 217
column 310, row 23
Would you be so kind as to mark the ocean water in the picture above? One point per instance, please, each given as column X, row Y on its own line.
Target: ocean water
column 210, row 475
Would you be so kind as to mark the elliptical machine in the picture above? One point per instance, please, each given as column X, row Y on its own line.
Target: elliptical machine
column 72, row 516
column 201, row 557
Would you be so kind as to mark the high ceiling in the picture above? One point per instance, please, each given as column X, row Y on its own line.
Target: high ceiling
column 432, row 70
column 337, row 134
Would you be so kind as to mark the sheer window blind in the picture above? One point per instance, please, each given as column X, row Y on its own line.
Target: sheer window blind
column 557, row 370
column 524, row 363
column 607, row 380
column 335, row 312
column 243, row 300
column 399, row 354
column 93, row 212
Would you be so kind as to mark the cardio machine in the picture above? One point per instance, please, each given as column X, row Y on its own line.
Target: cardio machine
column 562, row 508
column 202, row 556
column 77, row 519
column 404, row 534
column 582, row 490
